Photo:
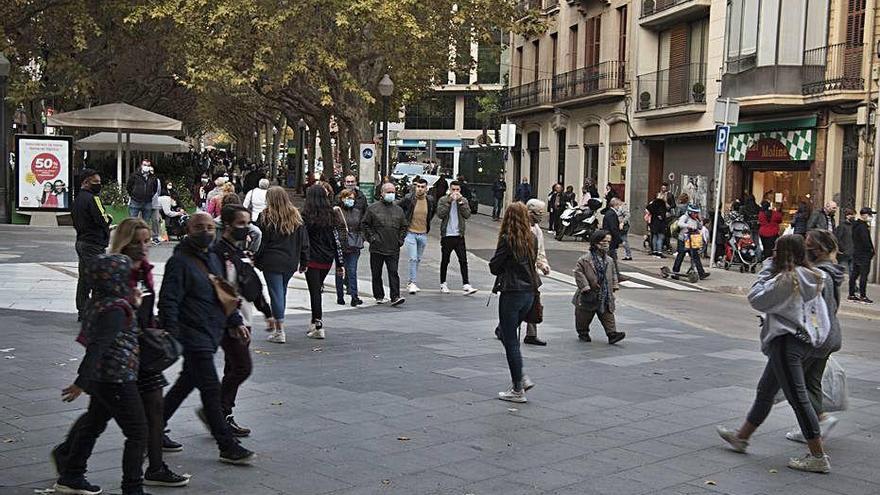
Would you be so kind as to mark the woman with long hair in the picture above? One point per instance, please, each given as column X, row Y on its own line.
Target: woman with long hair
column 513, row 265
column 132, row 238
column 782, row 292
column 284, row 249
column 215, row 206
column 325, row 246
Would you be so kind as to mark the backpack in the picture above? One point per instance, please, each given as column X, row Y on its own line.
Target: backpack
column 815, row 324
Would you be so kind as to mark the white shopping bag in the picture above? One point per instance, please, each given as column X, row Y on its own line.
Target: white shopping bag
column 835, row 395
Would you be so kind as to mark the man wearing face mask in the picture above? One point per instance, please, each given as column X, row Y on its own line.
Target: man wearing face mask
column 360, row 200
column 141, row 187
column 92, row 225
column 419, row 209
column 385, row 227
column 190, row 308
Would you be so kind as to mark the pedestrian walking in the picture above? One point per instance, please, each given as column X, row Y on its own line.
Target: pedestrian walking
column 215, row 204
column 863, row 252
column 141, row 187
column 360, row 200
column 611, row 225
column 325, row 247
column 353, row 243
column 655, row 216
column 610, row 194
column 824, row 218
column 690, row 240
column 597, row 282
column 108, row 374
column 239, row 272
column 821, row 252
column 191, row 308
column 454, row 211
column 155, row 212
column 523, row 191
column 555, row 206
column 769, row 221
column 255, row 199
column 513, row 265
column 623, row 214
column 284, row 250
column 537, row 211
column 92, row 225
column 419, row 209
column 132, row 238
column 783, row 287
column 385, row 228
column 844, row 235
column 801, row 218
column 499, row 188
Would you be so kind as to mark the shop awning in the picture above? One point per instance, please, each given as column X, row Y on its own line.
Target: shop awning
column 791, row 145
column 106, row 141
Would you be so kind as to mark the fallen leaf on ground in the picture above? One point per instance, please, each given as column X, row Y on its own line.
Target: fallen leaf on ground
column 774, row 471
column 8, row 349
column 711, row 482
column 386, row 482
column 258, row 351
column 512, row 409
column 9, row 440
column 317, row 349
column 403, row 439
column 278, row 403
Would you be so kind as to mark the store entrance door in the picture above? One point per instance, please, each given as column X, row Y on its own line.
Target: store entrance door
column 784, row 185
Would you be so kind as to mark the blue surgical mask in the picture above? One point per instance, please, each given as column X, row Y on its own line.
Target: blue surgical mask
column 389, row 197
column 348, row 202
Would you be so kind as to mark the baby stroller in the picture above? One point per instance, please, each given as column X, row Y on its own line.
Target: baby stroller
column 175, row 226
column 740, row 249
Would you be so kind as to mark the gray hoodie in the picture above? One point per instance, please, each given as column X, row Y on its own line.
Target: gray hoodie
column 771, row 294
column 831, row 294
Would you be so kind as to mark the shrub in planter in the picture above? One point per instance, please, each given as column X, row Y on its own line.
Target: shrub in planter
column 699, row 90
column 648, row 7
column 644, row 100
column 113, row 195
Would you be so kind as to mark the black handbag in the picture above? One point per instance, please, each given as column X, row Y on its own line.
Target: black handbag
column 159, row 350
column 536, row 312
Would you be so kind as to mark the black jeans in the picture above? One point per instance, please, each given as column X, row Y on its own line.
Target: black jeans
column 85, row 253
column 389, row 261
column 695, row 257
column 788, row 360
column 236, row 369
column 554, row 219
column 122, row 403
column 448, row 244
column 860, row 271
column 513, row 306
column 199, row 372
column 153, row 409
column 767, row 245
column 496, row 208
column 315, row 279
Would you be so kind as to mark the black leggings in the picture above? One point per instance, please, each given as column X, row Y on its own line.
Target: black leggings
column 155, row 427
column 315, row 279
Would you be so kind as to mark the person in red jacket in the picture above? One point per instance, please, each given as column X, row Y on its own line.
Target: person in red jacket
column 769, row 220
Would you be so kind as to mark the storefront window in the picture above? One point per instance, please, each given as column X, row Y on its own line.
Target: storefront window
column 784, row 188
column 437, row 112
column 471, row 107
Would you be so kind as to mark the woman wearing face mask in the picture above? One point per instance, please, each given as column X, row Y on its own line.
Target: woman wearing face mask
column 536, row 216
column 132, row 238
column 325, row 247
column 597, row 282
column 353, row 243
column 284, row 249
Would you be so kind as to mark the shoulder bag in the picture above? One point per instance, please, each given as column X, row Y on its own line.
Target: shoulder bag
column 226, row 293
column 536, row 312
column 159, row 350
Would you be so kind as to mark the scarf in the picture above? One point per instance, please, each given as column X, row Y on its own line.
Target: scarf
column 600, row 263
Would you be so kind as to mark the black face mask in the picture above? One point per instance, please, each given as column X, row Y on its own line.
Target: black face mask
column 95, row 188
column 134, row 251
column 202, row 240
column 240, row 233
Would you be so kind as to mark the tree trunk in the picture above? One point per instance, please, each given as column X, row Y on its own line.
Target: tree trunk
column 326, row 147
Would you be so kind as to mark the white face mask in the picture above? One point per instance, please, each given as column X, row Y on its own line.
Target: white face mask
column 145, row 169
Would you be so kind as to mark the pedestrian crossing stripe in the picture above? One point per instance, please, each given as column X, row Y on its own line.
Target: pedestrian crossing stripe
column 632, row 284
column 660, row 281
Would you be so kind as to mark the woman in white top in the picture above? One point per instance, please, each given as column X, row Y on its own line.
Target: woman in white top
column 255, row 200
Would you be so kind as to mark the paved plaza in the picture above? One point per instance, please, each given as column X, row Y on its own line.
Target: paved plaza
column 402, row 400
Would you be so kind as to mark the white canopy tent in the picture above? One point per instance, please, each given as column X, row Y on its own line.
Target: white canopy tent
column 121, row 118
column 107, row 141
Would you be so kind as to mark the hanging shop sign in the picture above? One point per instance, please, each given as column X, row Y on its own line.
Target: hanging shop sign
column 770, row 146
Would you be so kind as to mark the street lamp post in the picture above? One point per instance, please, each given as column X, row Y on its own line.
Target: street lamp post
column 386, row 88
column 4, row 154
column 301, row 153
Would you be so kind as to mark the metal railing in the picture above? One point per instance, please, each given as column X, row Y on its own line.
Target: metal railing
column 832, row 68
column 527, row 95
column 530, row 4
column 590, row 80
column 678, row 85
column 651, row 7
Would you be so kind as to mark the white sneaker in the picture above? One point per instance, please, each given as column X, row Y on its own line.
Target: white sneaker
column 412, row 288
column 825, row 426
column 444, row 289
column 512, row 395
column 468, row 290
column 811, row 463
column 384, row 300
column 729, row 436
column 527, row 383
column 277, row 337
column 317, row 333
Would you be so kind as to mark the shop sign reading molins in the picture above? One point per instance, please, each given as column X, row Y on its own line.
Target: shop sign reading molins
column 767, row 150
column 42, row 171
column 794, row 145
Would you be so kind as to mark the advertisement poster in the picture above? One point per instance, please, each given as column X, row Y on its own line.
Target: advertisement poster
column 697, row 189
column 42, row 171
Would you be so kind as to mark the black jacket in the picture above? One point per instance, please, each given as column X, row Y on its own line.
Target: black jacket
column 188, row 305
column 90, row 220
column 141, row 188
column 385, row 227
column 323, row 247
column 283, row 253
column 512, row 273
column 611, row 223
column 408, row 204
column 863, row 247
column 112, row 349
column 249, row 285
column 844, row 235
column 498, row 189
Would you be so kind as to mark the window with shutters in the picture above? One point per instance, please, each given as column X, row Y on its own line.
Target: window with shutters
column 855, row 22
column 554, row 47
column 621, row 36
column 573, row 47
column 536, row 67
column 593, row 36
column 519, row 61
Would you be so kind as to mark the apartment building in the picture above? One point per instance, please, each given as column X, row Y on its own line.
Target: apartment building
column 568, row 96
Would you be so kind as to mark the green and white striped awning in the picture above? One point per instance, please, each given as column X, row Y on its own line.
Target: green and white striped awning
column 798, row 142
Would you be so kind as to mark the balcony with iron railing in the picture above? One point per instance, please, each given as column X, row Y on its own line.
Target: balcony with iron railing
column 677, row 90
column 833, row 68
column 605, row 79
column 530, row 4
column 527, row 96
column 659, row 14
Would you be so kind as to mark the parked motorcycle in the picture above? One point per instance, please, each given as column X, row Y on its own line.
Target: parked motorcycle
column 577, row 221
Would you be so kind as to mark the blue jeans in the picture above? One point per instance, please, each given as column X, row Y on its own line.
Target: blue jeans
column 276, row 282
column 513, row 306
column 497, row 207
column 657, row 242
column 415, row 246
column 143, row 210
column 350, row 261
column 624, row 237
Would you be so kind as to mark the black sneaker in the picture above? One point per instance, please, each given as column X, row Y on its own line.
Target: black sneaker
column 77, row 486
column 340, row 301
column 58, row 459
column 356, row 301
column 236, row 454
column 169, row 445
column 704, row 276
column 853, row 297
column 165, row 477
column 398, row 301
column 865, row 300
column 585, row 337
column 497, row 333
column 616, row 337
column 236, row 429
column 532, row 340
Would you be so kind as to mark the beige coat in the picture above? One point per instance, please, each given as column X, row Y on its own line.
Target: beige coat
column 588, row 280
